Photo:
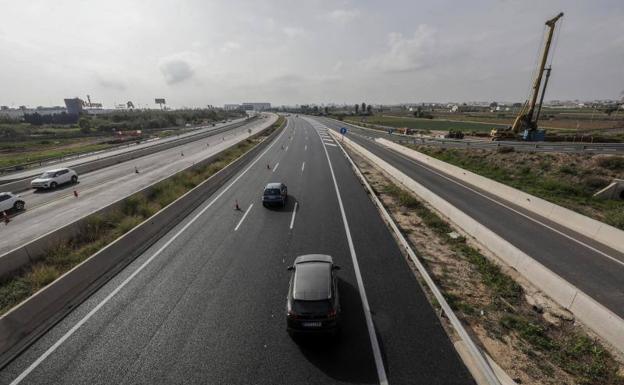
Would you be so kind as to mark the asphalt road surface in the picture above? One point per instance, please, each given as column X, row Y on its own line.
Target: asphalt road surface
column 206, row 303
column 592, row 267
column 47, row 210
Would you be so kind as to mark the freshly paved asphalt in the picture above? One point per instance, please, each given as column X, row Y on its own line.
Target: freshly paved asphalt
column 598, row 276
column 48, row 210
column 210, row 308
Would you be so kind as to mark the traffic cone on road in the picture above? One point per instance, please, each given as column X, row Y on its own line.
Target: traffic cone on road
column 268, row 167
column 136, row 170
column 6, row 218
column 236, row 207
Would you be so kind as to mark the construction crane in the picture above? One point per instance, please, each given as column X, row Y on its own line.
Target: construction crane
column 526, row 121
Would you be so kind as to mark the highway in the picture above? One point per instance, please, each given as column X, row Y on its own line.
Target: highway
column 592, row 267
column 71, row 161
column 206, row 303
column 47, row 210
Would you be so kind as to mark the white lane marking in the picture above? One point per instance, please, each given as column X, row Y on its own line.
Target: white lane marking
column 71, row 331
column 330, row 144
column 302, row 166
column 244, row 216
column 292, row 220
column 514, row 210
column 305, row 148
column 276, row 166
column 381, row 372
column 286, row 149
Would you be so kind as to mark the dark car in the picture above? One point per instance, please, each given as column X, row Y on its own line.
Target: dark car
column 313, row 305
column 275, row 194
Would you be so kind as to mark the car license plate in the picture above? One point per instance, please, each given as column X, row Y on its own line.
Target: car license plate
column 316, row 324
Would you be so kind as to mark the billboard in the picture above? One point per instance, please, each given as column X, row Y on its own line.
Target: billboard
column 160, row 101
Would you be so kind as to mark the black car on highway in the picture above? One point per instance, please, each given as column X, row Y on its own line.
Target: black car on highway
column 275, row 194
column 313, row 305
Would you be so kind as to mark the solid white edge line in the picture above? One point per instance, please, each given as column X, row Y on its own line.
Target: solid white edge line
column 71, row 331
column 507, row 207
column 244, row 216
column 292, row 220
column 486, row 368
column 276, row 165
column 381, row 372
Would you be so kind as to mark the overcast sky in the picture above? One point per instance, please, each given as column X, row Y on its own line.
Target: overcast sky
column 195, row 53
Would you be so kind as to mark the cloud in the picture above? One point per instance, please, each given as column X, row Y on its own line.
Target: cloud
column 293, row 32
column 111, row 83
column 178, row 67
column 343, row 16
column 407, row 54
column 229, row 46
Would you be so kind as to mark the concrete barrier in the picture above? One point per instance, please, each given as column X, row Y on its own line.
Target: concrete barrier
column 601, row 320
column 591, row 228
column 106, row 161
column 26, row 322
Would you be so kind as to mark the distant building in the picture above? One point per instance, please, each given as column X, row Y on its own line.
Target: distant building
column 256, row 106
column 231, row 107
column 74, row 106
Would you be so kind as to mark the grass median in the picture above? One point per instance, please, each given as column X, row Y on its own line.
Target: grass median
column 102, row 229
column 528, row 335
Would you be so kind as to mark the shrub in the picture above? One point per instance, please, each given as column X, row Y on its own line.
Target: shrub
column 614, row 163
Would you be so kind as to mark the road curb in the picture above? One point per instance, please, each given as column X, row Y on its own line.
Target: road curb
column 26, row 322
column 591, row 228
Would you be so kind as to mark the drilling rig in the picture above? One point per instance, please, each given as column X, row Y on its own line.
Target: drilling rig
column 526, row 121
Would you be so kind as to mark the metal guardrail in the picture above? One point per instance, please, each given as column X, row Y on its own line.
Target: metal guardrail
column 600, row 148
column 51, row 160
column 23, row 183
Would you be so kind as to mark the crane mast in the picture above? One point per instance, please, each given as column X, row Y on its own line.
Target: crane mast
column 526, row 121
column 538, row 79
